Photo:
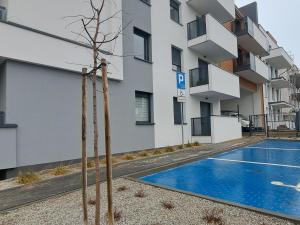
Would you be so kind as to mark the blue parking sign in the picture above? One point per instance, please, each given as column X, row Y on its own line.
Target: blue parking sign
column 180, row 77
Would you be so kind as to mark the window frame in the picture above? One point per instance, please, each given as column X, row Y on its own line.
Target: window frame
column 175, row 5
column 147, row 39
column 178, row 67
column 147, row 95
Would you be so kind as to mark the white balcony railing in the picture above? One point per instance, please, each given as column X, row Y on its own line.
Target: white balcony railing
column 223, row 10
column 211, row 39
column 279, row 58
column 212, row 81
column 252, row 68
column 250, row 37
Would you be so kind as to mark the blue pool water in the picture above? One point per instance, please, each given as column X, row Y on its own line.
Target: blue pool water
column 264, row 175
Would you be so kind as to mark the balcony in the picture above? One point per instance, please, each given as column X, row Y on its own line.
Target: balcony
column 280, row 105
column 251, row 68
column 280, row 82
column 211, row 39
column 250, row 37
column 212, row 82
column 279, row 59
column 223, row 10
column 217, row 128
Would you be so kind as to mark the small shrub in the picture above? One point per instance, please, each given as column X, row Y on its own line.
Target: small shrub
column 180, row 147
column 140, row 194
column 91, row 164
column 143, row 154
column 168, row 205
column 122, row 188
column 196, row 143
column 169, row 149
column 27, row 178
column 213, row 216
column 92, row 201
column 128, row 157
column 157, row 152
column 59, row 171
column 117, row 215
column 189, row 145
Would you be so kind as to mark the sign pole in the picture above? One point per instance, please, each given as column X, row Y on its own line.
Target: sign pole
column 182, row 130
column 181, row 97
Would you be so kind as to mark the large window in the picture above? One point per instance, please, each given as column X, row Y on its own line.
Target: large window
column 142, row 107
column 176, row 59
column 141, row 44
column 174, row 10
column 179, row 113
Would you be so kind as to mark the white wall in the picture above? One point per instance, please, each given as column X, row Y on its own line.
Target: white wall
column 225, row 129
column 164, row 78
column 49, row 16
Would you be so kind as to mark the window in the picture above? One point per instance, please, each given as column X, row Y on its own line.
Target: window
column 178, row 111
column 174, row 11
column 142, row 107
column 176, row 59
column 141, row 44
column 2, row 13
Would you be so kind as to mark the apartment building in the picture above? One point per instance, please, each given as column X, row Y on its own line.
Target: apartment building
column 218, row 46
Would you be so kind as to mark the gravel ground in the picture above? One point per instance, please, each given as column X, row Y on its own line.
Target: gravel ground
column 188, row 210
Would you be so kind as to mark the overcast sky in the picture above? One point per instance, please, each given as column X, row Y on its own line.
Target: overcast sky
column 281, row 18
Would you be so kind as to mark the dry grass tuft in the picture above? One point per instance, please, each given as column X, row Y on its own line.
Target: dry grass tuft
column 117, row 215
column 91, row 164
column 143, row 154
column 196, row 143
column 28, row 178
column 92, row 201
column 169, row 149
column 113, row 160
column 157, row 152
column 213, row 216
column 168, row 205
column 188, row 145
column 128, row 157
column 140, row 194
column 180, row 147
column 122, row 188
column 60, row 170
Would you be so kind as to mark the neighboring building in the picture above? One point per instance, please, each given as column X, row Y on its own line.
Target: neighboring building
column 218, row 46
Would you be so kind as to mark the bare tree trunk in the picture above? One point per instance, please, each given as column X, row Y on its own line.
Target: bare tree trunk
column 96, row 136
column 84, row 153
column 107, row 142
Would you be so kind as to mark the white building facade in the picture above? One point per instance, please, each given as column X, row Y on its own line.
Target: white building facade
column 41, row 58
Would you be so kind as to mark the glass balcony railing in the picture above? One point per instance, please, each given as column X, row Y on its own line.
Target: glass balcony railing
column 201, row 126
column 244, row 61
column 196, row 28
column 199, row 76
column 243, row 26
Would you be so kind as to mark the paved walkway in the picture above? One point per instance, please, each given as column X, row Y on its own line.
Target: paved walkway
column 17, row 197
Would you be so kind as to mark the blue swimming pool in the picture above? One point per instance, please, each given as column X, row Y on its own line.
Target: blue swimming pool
column 265, row 176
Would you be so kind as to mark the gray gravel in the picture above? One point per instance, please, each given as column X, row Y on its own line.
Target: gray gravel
column 189, row 210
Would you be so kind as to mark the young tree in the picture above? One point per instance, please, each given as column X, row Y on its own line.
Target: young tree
column 83, row 140
column 95, row 35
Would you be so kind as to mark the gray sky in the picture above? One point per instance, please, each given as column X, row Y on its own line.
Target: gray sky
column 281, row 18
